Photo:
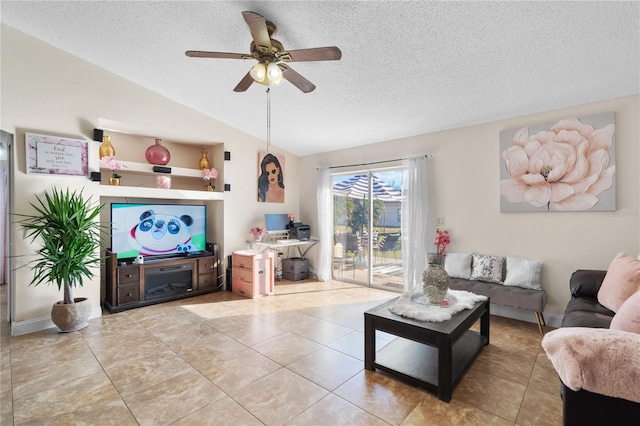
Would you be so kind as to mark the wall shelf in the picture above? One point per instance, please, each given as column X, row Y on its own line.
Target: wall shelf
column 145, row 168
column 159, row 193
column 141, row 176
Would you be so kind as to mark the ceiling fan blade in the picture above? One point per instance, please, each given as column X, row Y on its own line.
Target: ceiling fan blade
column 244, row 84
column 296, row 79
column 331, row 53
column 259, row 32
column 221, row 55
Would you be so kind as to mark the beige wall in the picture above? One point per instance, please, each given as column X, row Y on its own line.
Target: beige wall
column 464, row 176
column 45, row 90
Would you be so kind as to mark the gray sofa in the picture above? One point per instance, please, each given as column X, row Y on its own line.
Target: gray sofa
column 507, row 281
column 512, row 297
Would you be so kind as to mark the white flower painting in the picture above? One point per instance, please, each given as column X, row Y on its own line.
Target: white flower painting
column 568, row 165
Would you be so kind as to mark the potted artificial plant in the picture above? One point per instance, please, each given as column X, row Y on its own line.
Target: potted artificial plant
column 65, row 223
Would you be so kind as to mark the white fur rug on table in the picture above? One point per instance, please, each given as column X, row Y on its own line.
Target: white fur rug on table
column 408, row 309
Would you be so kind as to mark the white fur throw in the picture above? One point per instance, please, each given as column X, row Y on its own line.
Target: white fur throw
column 406, row 308
column 599, row 360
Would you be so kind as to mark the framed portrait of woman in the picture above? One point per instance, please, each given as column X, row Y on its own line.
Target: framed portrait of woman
column 270, row 178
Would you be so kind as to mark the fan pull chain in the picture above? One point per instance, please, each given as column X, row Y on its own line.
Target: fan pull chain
column 268, row 118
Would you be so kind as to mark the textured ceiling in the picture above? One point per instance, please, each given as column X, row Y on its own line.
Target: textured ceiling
column 407, row 68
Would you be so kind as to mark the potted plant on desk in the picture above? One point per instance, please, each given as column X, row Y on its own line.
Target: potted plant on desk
column 66, row 225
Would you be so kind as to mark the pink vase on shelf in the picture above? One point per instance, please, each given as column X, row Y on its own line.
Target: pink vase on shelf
column 157, row 154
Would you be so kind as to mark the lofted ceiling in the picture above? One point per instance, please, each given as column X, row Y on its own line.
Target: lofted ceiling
column 407, row 68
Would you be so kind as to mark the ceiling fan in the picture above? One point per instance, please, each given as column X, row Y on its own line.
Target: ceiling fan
column 271, row 56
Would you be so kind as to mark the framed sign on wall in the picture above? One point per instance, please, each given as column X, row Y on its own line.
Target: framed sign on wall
column 56, row 155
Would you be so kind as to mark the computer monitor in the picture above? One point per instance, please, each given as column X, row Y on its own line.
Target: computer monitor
column 276, row 223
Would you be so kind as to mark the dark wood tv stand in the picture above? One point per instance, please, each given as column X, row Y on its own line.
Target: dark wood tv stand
column 129, row 285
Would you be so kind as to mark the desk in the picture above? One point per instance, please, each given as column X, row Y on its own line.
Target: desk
column 277, row 246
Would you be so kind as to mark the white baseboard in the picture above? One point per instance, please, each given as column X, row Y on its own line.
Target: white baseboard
column 528, row 316
column 19, row 328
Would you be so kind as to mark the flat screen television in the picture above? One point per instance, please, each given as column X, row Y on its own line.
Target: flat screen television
column 157, row 229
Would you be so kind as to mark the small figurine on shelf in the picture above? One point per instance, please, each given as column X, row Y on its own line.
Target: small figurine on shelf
column 111, row 162
column 257, row 233
column 210, row 175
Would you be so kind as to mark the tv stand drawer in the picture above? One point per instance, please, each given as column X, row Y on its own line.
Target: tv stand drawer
column 128, row 294
column 128, row 275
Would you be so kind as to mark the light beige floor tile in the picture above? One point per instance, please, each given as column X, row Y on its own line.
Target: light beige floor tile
column 540, row 409
column 503, row 363
column 353, row 344
column 432, row 411
column 333, row 410
column 130, row 377
column 327, row 367
column 545, row 379
column 286, row 348
column 28, row 380
column 205, row 348
column 173, row 399
column 490, row 393
column 6, row 412
column 321, row 331
column 238, row 370
column 246, row 329
column 78, row 397
column 382, row 396
column 224, row 412
column 279, row 397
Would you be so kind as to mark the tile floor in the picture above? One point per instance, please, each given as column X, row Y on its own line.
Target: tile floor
column 295, row 358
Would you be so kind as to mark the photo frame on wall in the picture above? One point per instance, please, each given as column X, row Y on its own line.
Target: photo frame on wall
column 56, row 155
column 270, row 178
column 565, row 165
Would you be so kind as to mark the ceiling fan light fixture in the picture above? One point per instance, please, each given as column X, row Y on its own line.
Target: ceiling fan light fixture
column 259, row 72
column 274, row 72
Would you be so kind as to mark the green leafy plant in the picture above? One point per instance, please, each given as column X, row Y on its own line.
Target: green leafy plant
column 67, row 227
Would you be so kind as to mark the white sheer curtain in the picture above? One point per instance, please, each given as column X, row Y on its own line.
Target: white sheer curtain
column 325, row 225
column 415, row 223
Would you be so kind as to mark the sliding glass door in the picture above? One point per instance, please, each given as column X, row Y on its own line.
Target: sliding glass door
column 366, row 223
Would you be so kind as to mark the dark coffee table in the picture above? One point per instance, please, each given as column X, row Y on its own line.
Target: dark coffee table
column 432, row 355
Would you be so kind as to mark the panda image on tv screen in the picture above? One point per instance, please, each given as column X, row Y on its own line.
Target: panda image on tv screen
column 157, row 229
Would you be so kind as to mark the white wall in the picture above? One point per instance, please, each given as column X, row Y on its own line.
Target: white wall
column 46, row 90
column 464, row 176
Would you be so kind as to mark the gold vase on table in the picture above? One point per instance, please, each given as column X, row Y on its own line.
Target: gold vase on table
column 114, row 181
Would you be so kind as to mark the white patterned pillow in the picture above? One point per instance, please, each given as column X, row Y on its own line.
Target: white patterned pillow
column 458, row 265
column 523, row 273
column 487, row 268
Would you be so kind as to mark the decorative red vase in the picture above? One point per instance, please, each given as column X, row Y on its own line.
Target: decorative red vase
column 157, row 154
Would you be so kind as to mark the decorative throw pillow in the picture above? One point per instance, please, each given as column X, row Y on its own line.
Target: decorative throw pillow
column 487, row 268
column 458, row 265
column 523, row 273
column 628, row 316
column 620, row 282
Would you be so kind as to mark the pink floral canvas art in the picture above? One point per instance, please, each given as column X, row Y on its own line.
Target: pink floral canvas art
column 568, row 165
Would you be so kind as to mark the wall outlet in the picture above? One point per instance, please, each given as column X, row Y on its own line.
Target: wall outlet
column 440, row 221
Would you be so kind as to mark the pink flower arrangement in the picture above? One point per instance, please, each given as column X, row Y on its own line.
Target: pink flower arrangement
column 111, row 162
column 210, row 175
column 442, row 241
column 256, row 230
